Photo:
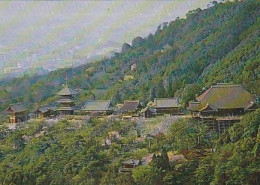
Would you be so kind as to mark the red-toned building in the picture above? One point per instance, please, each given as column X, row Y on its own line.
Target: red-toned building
column 131, row 109
column 17, row 113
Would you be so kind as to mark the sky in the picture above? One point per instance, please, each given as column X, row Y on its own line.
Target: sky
column 46, row 33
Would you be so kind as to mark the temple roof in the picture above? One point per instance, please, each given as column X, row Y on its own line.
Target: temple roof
column 132, row 162
column 46, row 108
column 166, row 102
column 64, row 101
column 43, row 109
column 130, row 105
column 194, row 106
column 66, row 91
column 66, row 108
column 96, row 105
column 15, row 108
column 208, row 108
column 225, row 96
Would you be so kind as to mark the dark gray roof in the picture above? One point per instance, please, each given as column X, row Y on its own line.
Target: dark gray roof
column 166, row 102
column 96, row 105
column 43, row 109
column 15, row 108
column 130, row 105
column 66, row 91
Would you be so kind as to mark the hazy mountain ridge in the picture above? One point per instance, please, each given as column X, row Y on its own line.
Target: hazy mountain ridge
column 35, row 33
column 183, row 58
column 203, row 49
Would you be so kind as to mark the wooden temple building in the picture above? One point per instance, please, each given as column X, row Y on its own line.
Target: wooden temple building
column 17, row 113
column 148, row 112
column 66, row 101
column 97, row 107
column 167, row 106
column 222, row 105
column 129, row 165
column 45, row 112
column 131, row 109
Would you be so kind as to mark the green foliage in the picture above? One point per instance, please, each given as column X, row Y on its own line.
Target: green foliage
column 235, row 162
column 161, row 161
column 188, row 93
column 218, row 44
column 186, row 134
column 143, row 174
column 140, row 153
column 66, row 152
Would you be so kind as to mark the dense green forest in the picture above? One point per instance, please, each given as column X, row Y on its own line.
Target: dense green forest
column 182, row 58
column 218, row 44
column 72, row 153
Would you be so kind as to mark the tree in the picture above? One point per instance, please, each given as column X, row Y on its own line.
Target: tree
column 152, row 94
column 137, row 42
column 145, row 175
column 170, row 91
column 125, row 47
column 160, row 90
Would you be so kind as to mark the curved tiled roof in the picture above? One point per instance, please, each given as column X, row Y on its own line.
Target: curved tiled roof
column 15, row 108
column 66, row 91
column 194, row 106
column 43, row 109
column 64, row 101
column 166, row 102
column 226, row 97
column 130, row 105
column 208, row 108
column 96, row 105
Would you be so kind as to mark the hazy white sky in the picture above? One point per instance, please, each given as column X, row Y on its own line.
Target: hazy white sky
column 36, row 31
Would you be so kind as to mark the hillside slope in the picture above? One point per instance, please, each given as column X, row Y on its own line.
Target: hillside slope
column 218, row 44
column 73, row 152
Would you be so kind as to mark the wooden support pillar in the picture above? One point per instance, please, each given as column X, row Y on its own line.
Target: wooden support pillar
column 12, row 119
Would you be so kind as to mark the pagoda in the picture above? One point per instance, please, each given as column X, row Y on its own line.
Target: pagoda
column 66, row 101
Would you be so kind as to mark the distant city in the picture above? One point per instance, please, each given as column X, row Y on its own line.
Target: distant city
column 44, row 66
column 43, row 36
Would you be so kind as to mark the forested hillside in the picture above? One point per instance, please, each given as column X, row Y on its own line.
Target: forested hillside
column 182, row 58
column 70, row 152
column 218, row 44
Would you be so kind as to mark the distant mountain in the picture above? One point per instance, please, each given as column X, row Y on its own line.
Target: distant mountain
column 71, row 32
column 218, row 44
